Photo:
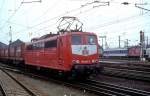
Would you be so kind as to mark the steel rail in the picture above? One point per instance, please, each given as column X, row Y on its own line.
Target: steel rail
column 129, row 63
column 94, row 89
column 66, row 83
column 132, row 67
column 3, row 93
column 129, row 70
column 18, row 82
column 131, row 74
column 99, row 88
column 121, row 89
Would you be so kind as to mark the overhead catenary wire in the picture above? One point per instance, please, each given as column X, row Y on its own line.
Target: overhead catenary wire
column 53, row 18
column 13, row 23
column 128, row 28
column 25, row 12
column 35, row 1
column 12, row 15
column 30, row 28
column 142, row 8
column 139, row 26
column 63, row 14
column 118, row 21
column 126, row 33
column 74, row 10
column 43, row 28
column 81, row 13
column 45, row 12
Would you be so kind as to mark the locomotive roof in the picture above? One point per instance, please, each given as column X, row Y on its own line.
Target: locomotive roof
column 55, row 36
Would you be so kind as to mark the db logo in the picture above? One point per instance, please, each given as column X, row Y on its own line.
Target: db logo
column 85, row 51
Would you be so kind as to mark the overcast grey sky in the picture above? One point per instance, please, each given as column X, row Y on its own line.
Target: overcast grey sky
column 34, row 19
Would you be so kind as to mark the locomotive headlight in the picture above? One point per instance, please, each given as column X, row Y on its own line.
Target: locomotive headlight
column 77, row 61
column 94, row 61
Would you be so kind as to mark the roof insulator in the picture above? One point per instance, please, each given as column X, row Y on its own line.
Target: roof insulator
column 125, row 3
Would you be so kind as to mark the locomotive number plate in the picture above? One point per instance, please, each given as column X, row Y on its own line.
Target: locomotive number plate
column 85, row 61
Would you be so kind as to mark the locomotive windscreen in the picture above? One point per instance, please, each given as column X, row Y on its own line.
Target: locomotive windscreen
column 84, row 45
column 91, row 40
column 76, row 40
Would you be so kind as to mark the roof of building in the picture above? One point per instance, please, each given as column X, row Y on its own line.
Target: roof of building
column 2, row 45
column 16, row 43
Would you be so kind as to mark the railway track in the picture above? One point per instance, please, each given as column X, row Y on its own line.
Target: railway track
column 113, row 90
column 131, row 67
column 2, row 92
column 13, row 87
column 125, row 60
column 99, row 88
column 128, row 63
column 127, row 73
column 127, row 70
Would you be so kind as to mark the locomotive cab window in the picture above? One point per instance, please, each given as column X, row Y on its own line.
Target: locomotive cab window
column 76, row 40
column 49, row 44
column 91, row 40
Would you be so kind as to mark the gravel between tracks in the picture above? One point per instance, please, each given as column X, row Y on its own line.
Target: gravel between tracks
column 48, row 88
column 10, row 86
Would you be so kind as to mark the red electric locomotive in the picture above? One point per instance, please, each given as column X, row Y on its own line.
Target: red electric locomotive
column 69, row 51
